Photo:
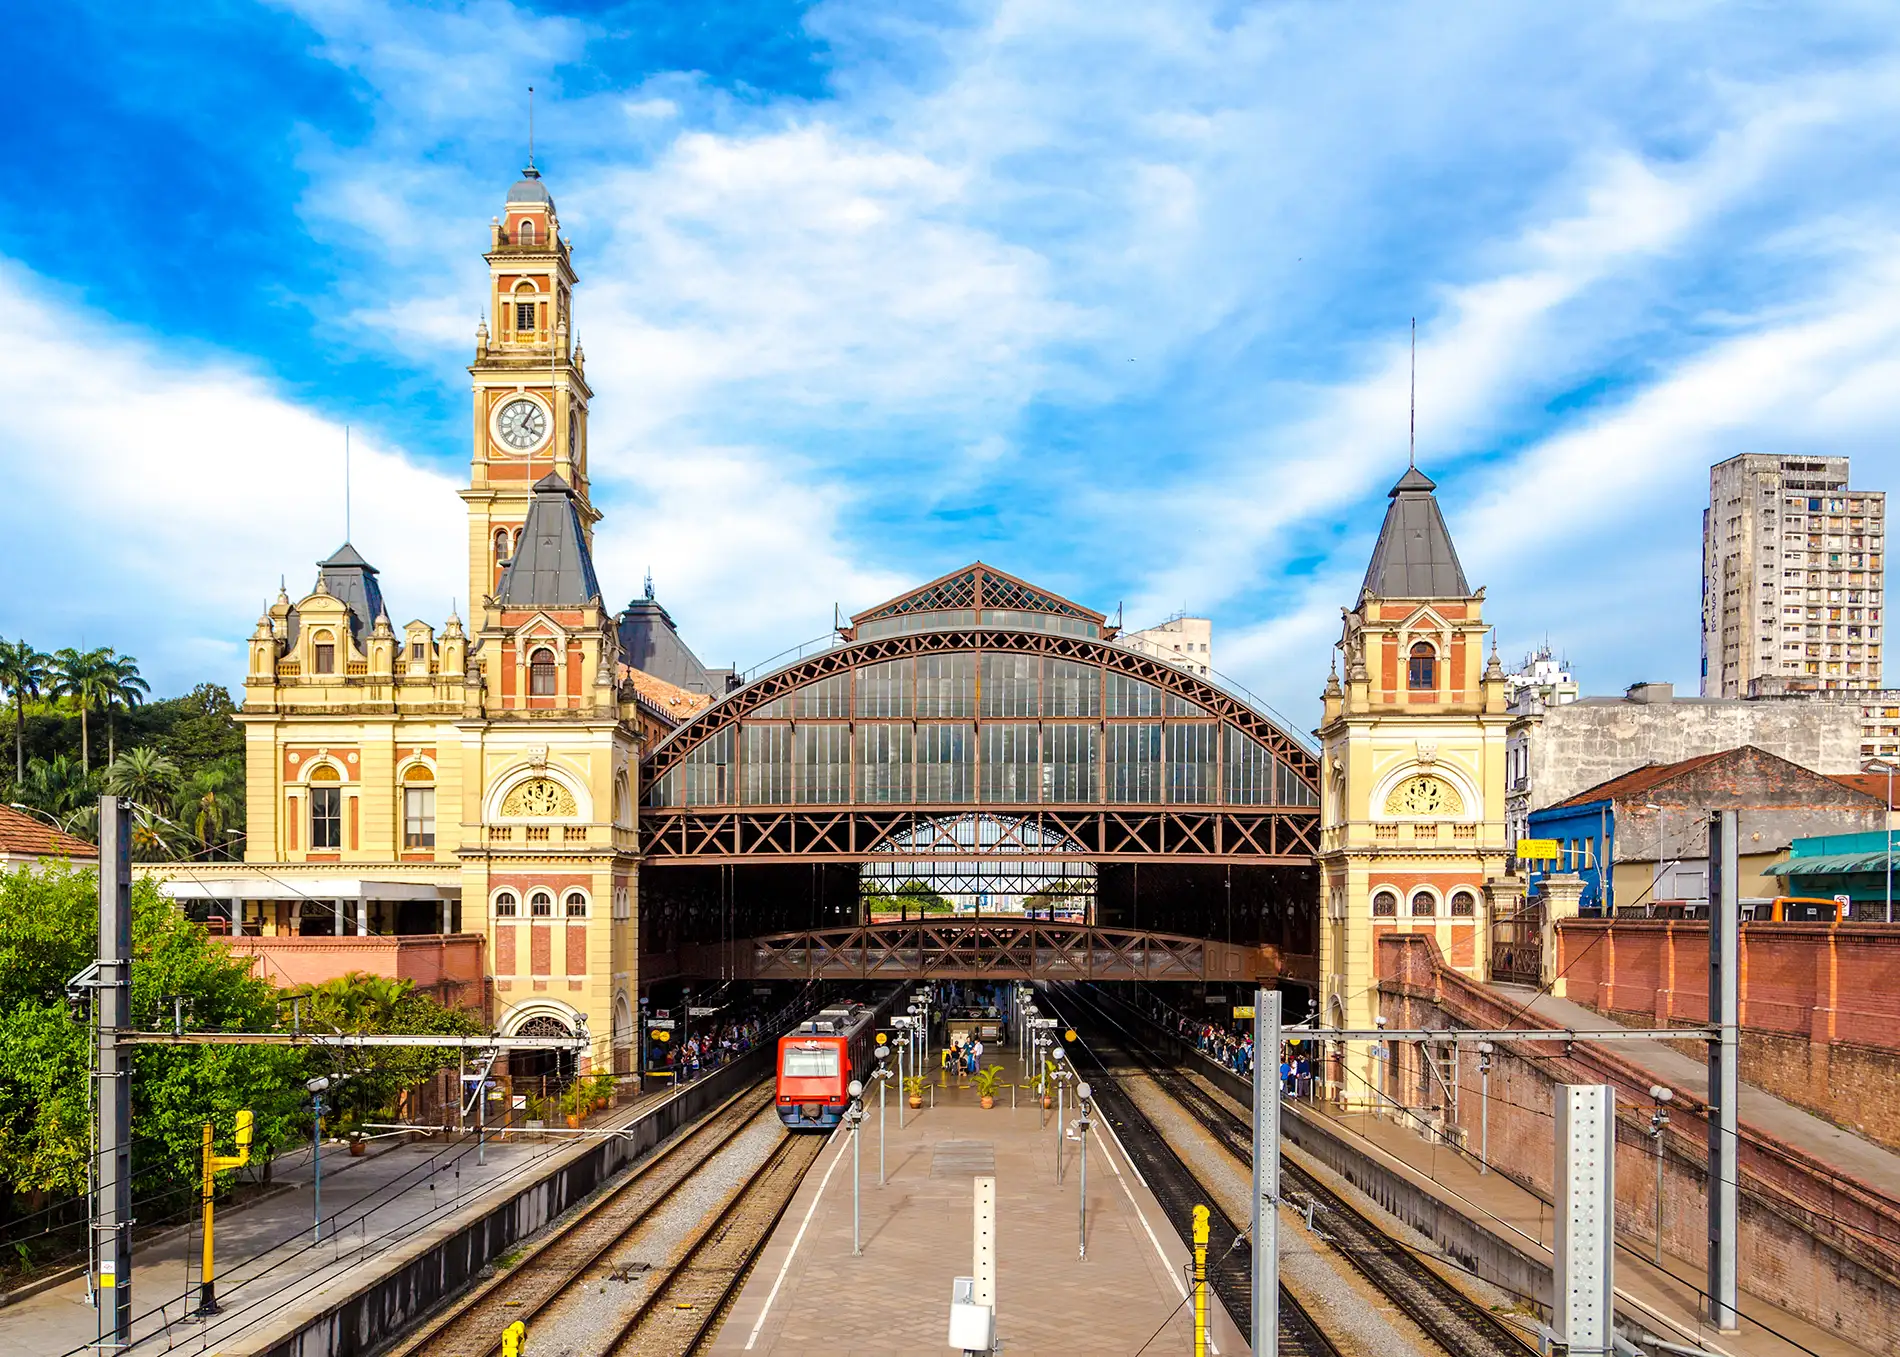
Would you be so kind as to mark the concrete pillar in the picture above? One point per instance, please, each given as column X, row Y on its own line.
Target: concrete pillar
column 1503, row 899
column 1563, row 894
column 362, row 918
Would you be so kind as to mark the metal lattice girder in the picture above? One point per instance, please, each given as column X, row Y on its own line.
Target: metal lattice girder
column 1287, row 836
column 1216, row 702
column 1001, row 949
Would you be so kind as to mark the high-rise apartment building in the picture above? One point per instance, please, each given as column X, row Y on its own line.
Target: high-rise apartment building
column 1791, row 576
column 1183, row 641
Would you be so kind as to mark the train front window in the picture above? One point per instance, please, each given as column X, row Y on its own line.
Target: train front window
column 820, row 1063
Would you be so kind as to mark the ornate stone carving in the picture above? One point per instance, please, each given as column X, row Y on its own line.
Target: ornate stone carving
column 1424, row 795
column 537, row 756
column 1427, row 752
column 539, row 798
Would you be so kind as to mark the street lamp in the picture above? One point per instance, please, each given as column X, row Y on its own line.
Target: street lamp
column 1485, row 1049
column 1082, row 1094
column 1662, row 823
column 1658, row 1119
column 883, row 1077
column 1887, row 824
column 855, row 1115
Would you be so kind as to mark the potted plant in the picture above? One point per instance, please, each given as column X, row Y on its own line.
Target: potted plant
column 600, row 1091
column 987, row 1080
column 359, row 1146
column 574, row 1102
column 914, row 1088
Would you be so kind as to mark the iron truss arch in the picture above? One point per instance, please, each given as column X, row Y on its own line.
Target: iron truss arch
column 1153, row 761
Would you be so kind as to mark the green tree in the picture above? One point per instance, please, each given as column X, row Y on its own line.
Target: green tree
column 83, row 677
column 364, row 1003
column 210, row 804
column 120, row 685
column 143, row 775
column 58, row 786
column 24, row 671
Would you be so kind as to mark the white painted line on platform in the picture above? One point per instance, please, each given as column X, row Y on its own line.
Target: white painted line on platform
column 785, row 1267
column 1180, row 1287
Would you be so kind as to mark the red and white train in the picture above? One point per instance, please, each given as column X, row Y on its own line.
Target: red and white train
column 817, row 1062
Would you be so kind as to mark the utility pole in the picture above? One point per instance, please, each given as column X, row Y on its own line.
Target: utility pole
column 112, row 1195
column 1266, row 1173
column 1584, row 1245
column 1724, row 1068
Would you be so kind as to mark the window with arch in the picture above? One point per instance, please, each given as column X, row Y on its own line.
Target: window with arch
column 541, row 905
column 1424, row 906
column 575, row 905
column 418, row 807
column 1463, row 904
column 541, row 673
column 524, row 309
column 326, row 807
column 323, row 652
column 505, row 905
column 1385, row 904
column 525, row 234
column 1423, row 673
column 501, row 546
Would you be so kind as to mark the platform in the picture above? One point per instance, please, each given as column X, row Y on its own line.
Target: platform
column 809, row 1295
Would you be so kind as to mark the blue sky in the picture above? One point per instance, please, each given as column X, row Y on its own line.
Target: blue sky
column 1114, row 297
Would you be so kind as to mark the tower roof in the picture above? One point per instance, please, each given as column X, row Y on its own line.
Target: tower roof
column 1414, row 557
column 552, row 568
column 530, row 189
column 348, row 577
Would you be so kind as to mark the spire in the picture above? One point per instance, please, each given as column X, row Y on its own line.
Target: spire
column 347, row 576
column 1414, row 557
column 552, row 568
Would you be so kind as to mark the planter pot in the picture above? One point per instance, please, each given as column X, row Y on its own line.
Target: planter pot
column 573, row 1121
column 359, row 1148
column 916, row 1101
column 988, row 1102
column 1048, row 1102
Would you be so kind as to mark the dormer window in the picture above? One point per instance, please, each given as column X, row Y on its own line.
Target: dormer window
column 323, row 653
column 541, row 673
column 1423, row 675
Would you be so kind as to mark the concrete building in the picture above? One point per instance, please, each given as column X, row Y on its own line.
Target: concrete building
column 1879, row 710
column 1650, row 829
column 1411, row 771
column 1553, row 753
column 1180, row 640
column 1791, row 575
column 1542, row 681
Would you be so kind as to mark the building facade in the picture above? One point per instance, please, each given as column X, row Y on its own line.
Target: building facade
column 1792, row 575
column 1411, row 769
column 475, row 780
column 1183, row 641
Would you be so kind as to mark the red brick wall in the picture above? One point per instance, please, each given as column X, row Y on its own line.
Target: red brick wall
column 1817, row 1001
column 1823, row 1245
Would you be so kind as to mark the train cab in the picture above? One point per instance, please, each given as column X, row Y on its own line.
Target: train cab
column 818, row 1061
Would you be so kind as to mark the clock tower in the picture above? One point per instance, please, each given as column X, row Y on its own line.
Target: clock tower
column 530, row 391
column 1412, row 833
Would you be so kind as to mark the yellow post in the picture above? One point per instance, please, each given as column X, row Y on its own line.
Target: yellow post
column 512, row 1338
column 214, row 1164
column 1200, row 1281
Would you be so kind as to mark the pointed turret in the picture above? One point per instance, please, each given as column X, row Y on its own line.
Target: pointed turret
column 347, row 576
column 552, row 567
column 1414, row 557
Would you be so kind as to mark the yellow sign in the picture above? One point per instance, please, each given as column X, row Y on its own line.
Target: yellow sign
column 1069, row 1035
column 1537, row 850
column 880, row 1038
column 662, row 1036
column 1243, row 1010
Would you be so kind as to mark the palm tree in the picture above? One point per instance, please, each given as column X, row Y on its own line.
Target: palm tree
column 122, row 686
column 81, row 675
column 143, row 775
column 207, row 805
column 23, row 672
column 56, row 785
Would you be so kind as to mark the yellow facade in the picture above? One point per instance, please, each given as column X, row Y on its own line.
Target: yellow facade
column 1412, row 785
column 485, row 775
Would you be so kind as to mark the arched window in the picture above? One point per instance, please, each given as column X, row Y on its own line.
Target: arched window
column 1385, row 904
column 525, row 234
column 1424, row 669
column 524, row 309
column 541, row 905
column 323, row 652
column 326, row 807
column 576, row 905
column 501, row 546
column 1463, row 904
column 418, row 807
column 1423, row 905
column 505, row 905
column 541, row 673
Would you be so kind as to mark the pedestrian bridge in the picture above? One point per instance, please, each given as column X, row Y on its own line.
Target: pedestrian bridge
column 999, row 949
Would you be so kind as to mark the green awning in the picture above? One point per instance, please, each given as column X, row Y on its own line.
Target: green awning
column 1830, row 864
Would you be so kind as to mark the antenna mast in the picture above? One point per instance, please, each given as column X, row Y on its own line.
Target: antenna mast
column 531, row 127
column 1411, row 455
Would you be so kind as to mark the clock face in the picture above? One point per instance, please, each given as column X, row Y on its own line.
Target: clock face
column 522, row 424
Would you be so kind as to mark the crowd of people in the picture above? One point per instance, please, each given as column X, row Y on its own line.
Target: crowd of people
column 708, row 1045
column 1235, row 1049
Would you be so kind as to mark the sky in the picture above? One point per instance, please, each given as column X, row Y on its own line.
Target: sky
column 1115, row 297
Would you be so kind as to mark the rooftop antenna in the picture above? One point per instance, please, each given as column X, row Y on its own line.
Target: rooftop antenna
column 531, row 127
column 1412, row 451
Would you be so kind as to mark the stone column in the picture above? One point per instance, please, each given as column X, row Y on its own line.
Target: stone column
column 1503, row 898
column 1563, row 894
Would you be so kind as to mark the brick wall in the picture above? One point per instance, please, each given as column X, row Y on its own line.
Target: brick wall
column 1820, row 1011
column 1823, row 1245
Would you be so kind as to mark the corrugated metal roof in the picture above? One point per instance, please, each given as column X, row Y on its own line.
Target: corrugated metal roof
column 1830, row 864
column 1414, row 557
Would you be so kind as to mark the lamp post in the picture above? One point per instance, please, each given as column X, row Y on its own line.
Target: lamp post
column 1662, row 823
column 883, row 1077
column 1082, row 1093
column 1886, row 766
column 1057, row 1055
column 1485, row 1049
column 855, row 1115
column 1658, row 1119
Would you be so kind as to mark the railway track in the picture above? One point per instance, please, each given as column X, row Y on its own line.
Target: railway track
column 560, row 1261
column 1448, row 1316
column 1229, row 1257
